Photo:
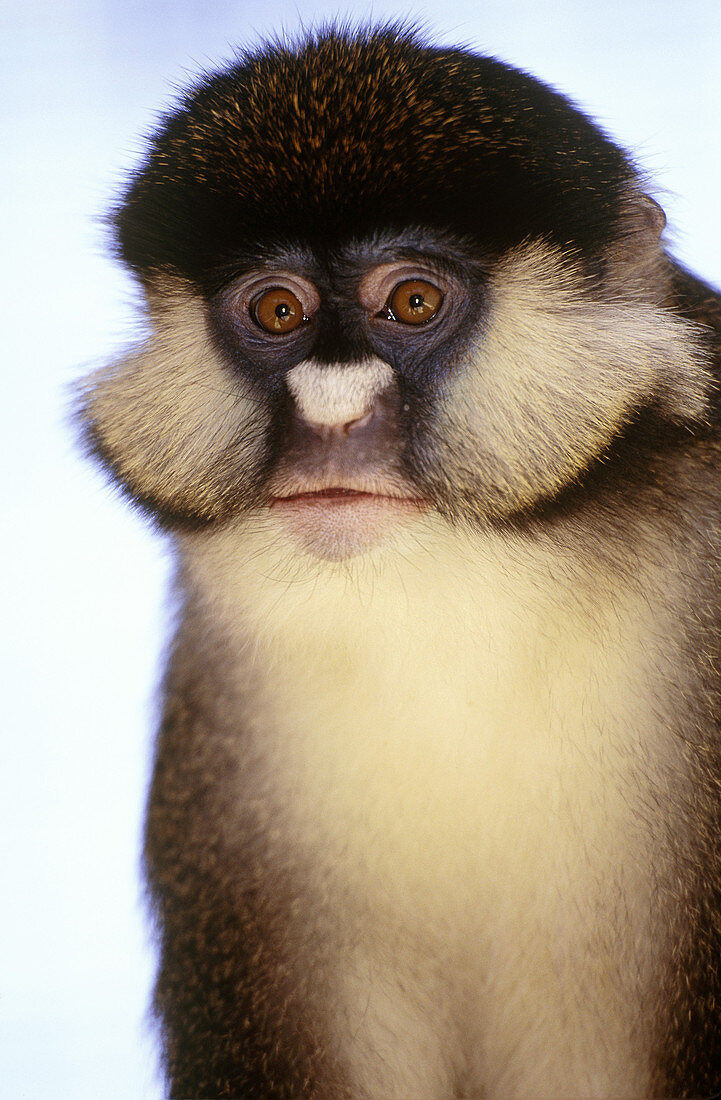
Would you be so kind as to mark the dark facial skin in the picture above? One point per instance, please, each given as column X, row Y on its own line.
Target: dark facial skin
column 402, row 307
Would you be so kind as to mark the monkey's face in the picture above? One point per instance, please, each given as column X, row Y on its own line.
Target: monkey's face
column 348, row 356
column 350, row 333
column 339, row 400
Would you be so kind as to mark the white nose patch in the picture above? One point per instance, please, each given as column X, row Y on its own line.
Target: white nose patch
column 331, row 395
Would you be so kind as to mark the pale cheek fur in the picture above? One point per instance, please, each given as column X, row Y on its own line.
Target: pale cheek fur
column 181, row 428
column 552, row 380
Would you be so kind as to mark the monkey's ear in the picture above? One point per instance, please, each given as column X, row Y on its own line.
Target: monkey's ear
column 642, row 222
column 636, row 258
column 651, row 215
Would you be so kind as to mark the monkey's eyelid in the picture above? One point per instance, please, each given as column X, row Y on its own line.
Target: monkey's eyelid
column 386, row 314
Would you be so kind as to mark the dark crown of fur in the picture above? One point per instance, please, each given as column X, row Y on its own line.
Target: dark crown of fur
column 350, row 133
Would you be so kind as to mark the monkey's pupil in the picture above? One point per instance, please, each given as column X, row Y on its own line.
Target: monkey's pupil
column 416, row 301
column 283, row 310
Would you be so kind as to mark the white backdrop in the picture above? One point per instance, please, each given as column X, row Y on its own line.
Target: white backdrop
column 80, row 82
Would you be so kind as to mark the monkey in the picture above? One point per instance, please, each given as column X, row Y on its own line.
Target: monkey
column 429, row 416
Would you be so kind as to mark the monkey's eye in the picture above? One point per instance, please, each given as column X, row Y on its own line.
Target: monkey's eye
column 414, row 302
column 277, row 311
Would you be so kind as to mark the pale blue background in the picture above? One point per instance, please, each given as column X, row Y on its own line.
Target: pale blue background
column 80, row 81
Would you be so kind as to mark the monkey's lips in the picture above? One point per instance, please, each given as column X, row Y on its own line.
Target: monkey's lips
column 337, row 522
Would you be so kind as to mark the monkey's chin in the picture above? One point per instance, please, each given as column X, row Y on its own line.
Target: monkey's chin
column 335, row 524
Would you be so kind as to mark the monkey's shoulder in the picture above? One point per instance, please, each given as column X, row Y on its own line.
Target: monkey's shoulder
column 699, row 301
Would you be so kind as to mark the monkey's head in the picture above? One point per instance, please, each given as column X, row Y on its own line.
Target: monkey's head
column 383, row 280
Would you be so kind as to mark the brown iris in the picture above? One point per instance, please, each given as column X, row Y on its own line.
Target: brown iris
column 415, row 301
column 277, row 310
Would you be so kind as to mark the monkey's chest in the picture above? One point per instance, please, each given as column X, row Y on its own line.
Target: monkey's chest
column 486, row 775
column 471, row 847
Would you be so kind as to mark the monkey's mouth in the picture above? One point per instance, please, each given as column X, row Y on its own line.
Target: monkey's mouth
column 338, row 521
column 339, row 495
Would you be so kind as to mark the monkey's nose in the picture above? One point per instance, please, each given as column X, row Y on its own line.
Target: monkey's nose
column 337, row 400
column 339, row 429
